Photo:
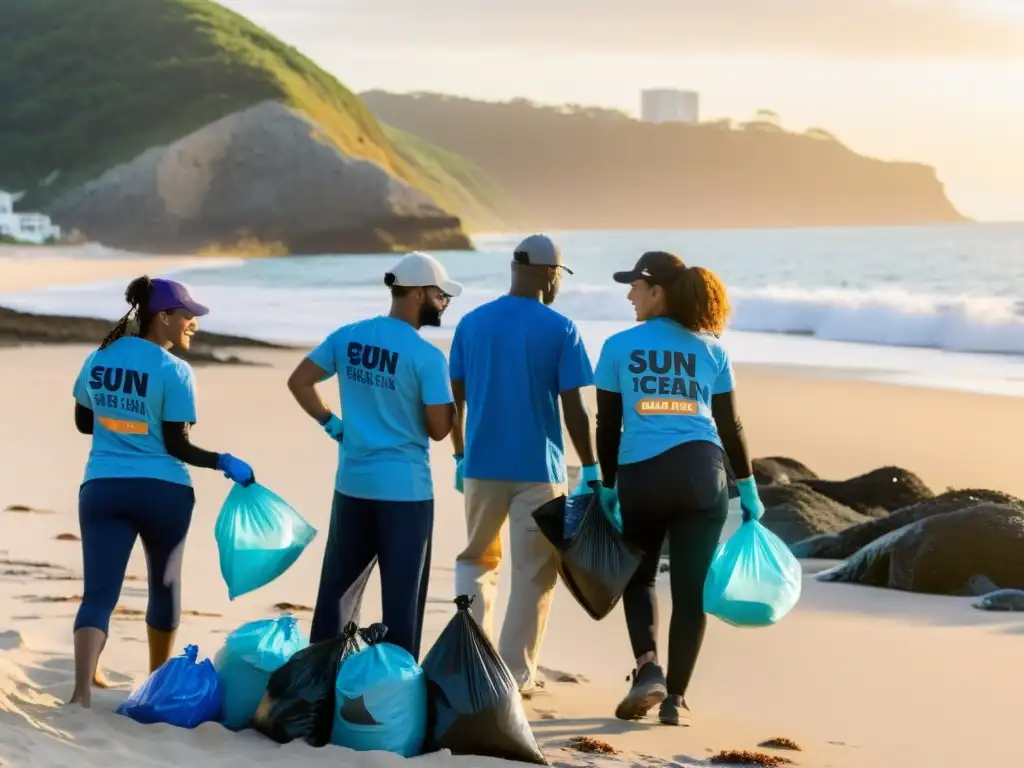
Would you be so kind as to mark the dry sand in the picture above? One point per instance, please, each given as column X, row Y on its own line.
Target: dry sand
column 27, row 268
column 859, row 677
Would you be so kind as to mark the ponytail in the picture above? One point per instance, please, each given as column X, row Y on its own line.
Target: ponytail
column 137, row 296
column 697, row 300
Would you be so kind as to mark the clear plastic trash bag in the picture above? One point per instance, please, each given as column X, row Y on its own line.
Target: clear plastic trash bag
column 259, row 536
column 299, row 701
column 250, row 655
column 380, row 699
column 181, row 692
column 475, row 707
column 754, row 579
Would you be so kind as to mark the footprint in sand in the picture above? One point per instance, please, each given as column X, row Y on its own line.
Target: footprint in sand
column 27, row 510
column 562, row 677
column 293, row 607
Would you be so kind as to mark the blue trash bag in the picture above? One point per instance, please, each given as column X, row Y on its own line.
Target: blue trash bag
column 259, row 536
column 250, row 655
column 380, row 699
column 181, row 692
column 754, row 579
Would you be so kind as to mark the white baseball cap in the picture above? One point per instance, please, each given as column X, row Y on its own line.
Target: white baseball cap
column 419, row 270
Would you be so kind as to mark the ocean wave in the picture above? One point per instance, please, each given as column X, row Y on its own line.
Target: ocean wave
column 888, row 317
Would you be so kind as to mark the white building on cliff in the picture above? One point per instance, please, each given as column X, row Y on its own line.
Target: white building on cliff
column 669, row 105
column 25, row 227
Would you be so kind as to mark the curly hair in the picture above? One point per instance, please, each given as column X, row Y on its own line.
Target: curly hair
column 698, row 300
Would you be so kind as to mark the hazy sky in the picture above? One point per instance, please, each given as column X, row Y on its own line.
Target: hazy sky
column 939, row 81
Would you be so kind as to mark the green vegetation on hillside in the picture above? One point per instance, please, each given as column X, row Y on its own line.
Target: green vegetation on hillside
column 584, row 167
column 87, row 84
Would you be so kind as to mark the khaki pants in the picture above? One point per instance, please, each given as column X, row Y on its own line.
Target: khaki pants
column 534, row 567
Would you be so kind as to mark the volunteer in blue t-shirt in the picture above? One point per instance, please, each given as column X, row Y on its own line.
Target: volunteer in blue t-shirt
column 395, row 398
column 138, row 402
column 513, row 360
column 665, row 409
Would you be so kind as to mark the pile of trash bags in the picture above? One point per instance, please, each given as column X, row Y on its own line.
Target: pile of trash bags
column 183, row 692
column 754, row 579
column 596, row 562
column 360, row 692
column 259, row 537
column 251, row 654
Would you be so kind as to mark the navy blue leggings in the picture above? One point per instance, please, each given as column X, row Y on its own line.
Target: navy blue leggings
column 111, row 514
column 398, row 534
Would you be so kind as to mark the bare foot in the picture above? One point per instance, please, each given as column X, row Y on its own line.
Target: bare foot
column 84, row 700
column 100, row 680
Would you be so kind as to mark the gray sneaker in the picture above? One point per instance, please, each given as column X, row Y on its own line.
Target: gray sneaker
column 674, row 711
column 648, row 690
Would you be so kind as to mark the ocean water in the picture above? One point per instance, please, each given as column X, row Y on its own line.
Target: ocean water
column 941, row 306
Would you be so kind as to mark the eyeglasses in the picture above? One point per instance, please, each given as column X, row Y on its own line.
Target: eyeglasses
column 443, row 297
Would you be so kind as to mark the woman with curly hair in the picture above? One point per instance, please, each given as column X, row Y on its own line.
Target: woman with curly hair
column 666, row 418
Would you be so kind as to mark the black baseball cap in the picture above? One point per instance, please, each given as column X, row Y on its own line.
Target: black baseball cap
column 655, row 267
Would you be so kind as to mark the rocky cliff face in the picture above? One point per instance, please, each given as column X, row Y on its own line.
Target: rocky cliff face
column 263, row 174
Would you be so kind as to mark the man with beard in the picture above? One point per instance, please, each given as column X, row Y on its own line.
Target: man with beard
column 396, row 396
column 512, row 361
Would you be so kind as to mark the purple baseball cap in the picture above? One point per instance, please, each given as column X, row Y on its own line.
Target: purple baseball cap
column 168, row 294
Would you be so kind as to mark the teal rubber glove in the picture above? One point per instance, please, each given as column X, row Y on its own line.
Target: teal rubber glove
column 458, row 472
column 608, row 498
column 588, row 476
column 335, row 427
column 750, row 502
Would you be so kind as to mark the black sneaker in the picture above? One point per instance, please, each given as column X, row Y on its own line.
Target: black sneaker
column 674, row 711
column 648, row 690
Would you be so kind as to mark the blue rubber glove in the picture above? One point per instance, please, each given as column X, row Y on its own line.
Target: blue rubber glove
column 458, row 472
column 235, row 469
column 750, row 502
column 588, row 475
column 335, row 428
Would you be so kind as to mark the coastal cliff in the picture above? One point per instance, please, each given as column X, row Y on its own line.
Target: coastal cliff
column 587, row 168
column 179, row 126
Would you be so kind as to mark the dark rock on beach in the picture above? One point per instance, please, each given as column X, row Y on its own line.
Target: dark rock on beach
column 1002, row 600
column 780, row 470
column 795, row 512
column 20, row 328
column 844, row 543
column 875, row 493
column 944, row 554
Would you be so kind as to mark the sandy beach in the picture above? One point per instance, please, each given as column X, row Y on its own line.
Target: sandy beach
column 25, row 268
column 859, row 677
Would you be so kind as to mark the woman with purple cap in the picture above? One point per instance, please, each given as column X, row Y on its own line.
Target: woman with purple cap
column 138, row 402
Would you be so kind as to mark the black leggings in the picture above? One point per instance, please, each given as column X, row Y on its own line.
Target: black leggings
column 681, row 492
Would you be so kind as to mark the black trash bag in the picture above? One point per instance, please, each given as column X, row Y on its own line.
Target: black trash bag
column 474, row 705
column 299, row 701
column 596, row 563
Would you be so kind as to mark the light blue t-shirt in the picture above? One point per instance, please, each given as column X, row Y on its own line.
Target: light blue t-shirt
column 132, row 387
column 666, row 376
column 386, row 373
column 515, row 356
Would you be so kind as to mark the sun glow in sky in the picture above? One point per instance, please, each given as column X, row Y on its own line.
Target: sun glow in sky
column 937, row 81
